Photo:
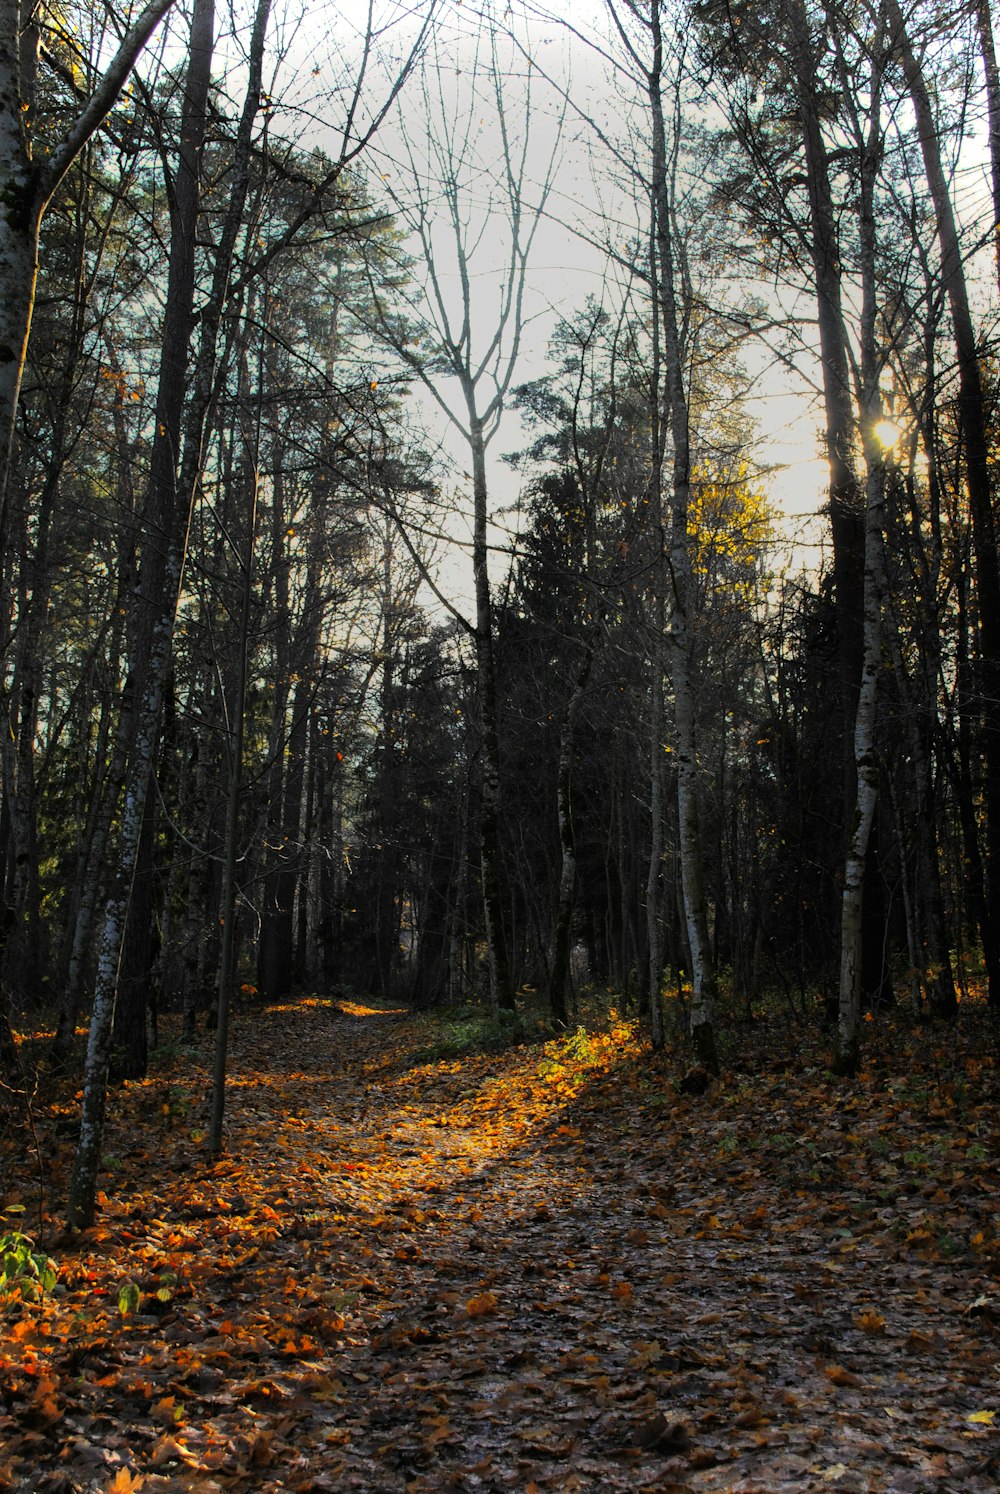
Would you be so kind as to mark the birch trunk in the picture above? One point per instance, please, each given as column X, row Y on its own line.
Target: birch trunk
column 848, row 1052
column 237, row 717
column 703, row 977
column 991, row 74
column 848, row 1044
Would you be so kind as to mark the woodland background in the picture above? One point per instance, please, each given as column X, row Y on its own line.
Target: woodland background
column 259, row 739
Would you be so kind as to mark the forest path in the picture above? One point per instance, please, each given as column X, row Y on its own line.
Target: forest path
column 539, row 1270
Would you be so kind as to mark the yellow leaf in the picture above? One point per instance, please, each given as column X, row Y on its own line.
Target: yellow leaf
column 982, row 1418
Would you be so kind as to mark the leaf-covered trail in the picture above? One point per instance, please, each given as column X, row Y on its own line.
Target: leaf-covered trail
column 543, row 1269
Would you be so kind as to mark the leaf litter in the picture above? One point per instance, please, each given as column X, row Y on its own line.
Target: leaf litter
column 546, row 1269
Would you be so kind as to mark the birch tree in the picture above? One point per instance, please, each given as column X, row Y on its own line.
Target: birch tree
column 869, row 140
column 651, row 54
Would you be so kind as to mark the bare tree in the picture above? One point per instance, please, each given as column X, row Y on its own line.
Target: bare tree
column 650, row 53
column 473, row 208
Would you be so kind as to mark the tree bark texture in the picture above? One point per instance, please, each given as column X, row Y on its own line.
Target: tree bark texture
column 703, row 977
column 159, row 585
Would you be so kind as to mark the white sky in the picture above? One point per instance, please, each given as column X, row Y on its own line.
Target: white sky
column 564, row 269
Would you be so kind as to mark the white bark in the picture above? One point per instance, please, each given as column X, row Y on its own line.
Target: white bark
column 866, row 762
column 703, row 978
column 865, row 754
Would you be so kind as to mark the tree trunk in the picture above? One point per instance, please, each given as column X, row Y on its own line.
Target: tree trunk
column 562, row 933
column 277, row 935
column 848, row 1045
column 703, row 977
column 27, row 186
column 501, row 986
column 975, row 439
column 159, row 586
column 848, row 1054
column 987, row 48
column 230, row 852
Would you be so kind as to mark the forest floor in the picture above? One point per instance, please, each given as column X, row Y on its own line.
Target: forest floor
column 540, row 1269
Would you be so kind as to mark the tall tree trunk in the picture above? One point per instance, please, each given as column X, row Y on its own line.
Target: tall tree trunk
column 848, row 1052
column 703, row 977
column 236, row 715
column 277, row 937
column 159, row 585
column 848, row 1044
column 501, row 985
column 976, row 443
column 847, row 496
column 129, row 1038
column 987, row 48
column 562, row 933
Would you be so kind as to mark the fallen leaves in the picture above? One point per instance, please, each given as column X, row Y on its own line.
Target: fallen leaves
column 870, row 1320
column 547, row 1268
column 485, row 1305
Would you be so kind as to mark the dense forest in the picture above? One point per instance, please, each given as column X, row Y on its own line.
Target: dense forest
column 351, row 644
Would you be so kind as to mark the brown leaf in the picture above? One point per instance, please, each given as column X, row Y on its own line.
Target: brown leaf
column 661, row 1433
column 482, row 1306
column 753, row 1416
column 166, row 1411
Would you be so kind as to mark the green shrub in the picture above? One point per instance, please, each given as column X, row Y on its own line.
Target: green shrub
column 25, row 1273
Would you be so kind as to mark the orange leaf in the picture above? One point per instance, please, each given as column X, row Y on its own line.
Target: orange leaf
column 838, row 1375
column 483, row 1306
column 169, row 1450
column 166, row 1411
column 125, row 1482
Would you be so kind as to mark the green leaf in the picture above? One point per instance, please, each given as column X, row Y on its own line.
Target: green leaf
column 128, row 1298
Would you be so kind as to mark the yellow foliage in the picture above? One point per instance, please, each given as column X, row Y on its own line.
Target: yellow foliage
column 729, row 519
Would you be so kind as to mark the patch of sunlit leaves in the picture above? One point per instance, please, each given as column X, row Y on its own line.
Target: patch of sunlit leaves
column 572, row 1061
